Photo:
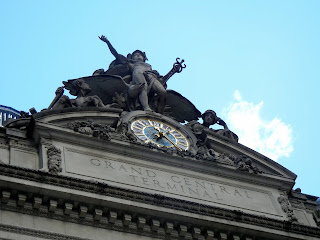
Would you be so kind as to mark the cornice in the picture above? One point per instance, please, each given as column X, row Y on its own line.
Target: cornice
column 36, row 233
column 235, row 217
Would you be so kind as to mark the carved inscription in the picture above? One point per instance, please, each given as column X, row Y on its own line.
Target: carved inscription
column 175, row 183
column 169, row 183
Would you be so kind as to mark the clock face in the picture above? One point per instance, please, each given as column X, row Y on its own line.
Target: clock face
column 160, row 134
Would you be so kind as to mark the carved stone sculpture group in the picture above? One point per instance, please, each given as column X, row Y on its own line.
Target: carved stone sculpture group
column 131, row 84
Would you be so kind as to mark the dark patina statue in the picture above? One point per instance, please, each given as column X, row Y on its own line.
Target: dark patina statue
column 201, row 131
column 131, row 84
column 209, row 118
column 78, row 88
column 149, row 81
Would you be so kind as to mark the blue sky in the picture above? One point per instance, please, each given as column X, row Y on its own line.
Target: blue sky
column 256, row 63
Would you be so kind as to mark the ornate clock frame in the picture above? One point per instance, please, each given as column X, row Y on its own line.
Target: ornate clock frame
column 159, row 130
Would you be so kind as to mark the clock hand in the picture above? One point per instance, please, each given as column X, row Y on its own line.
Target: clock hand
column 157, row 129
column 171, row 141
column 163, row 134
column 160, row 134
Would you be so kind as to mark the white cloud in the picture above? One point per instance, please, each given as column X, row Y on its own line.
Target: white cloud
column 271, row 138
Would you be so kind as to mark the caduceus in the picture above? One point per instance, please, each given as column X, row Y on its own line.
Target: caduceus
column 177, row 68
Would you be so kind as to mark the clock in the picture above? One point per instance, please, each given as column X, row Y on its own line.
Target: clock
column 160, row 133
column 160, row 130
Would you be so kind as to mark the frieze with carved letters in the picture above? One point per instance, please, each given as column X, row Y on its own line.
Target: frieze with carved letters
column 154, row 199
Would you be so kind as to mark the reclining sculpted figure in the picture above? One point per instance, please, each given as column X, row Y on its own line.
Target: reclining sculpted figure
column 77, row 88
column 209, row 118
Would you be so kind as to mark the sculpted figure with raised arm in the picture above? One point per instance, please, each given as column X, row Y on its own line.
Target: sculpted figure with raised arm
column 142, row 73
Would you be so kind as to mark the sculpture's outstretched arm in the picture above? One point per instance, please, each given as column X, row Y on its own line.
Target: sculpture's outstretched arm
column 111, row 48
column 222, row 123
column 59, row 93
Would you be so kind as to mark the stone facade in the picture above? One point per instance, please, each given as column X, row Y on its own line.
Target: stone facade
column 81, row 174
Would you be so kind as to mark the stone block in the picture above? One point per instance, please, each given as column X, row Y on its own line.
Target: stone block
column 182, row 230
column 235, row 237
column 112, row 216
column 209, row 235
column 83, row 211
column 141, row 222
column 168, row 227
column 21, row 199
column 97, row 214
column 126, row 219
column 155, row 224
column 23, row 158
column 53, row 205
column 67, row 208
column 37, row 202
column 195, row 232
column 5, row 196
column 223, row 236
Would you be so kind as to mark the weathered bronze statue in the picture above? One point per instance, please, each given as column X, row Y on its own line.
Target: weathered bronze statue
column 78, row 88
column 201, row 131
column 209, row 118
column 130, row 84
column 143, row 75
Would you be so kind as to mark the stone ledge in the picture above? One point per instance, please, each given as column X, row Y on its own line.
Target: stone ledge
column 151, row 199
column 36, row 233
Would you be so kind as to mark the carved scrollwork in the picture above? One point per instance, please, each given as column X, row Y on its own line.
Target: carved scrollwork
column 206, row 154
column 244, row 163
column 226, row 158
column 92, row 129
column 54, row 159
column 287, row 208
column 122, row 130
